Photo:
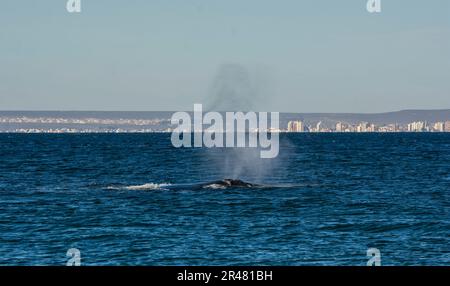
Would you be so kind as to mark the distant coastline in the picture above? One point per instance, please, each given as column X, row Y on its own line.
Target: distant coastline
column 159, row 121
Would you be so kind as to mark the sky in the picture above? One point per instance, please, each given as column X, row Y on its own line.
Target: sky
column 166, row 55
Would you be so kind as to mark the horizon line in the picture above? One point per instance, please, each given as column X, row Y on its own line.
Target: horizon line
column 282, row 112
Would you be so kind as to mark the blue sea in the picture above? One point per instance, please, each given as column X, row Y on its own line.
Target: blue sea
column 133, row 199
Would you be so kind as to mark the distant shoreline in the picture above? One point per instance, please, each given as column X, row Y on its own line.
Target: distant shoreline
column 159, row 121
column 167, row 132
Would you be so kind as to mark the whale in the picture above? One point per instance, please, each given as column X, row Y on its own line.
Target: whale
column 228, row 183
column 213, row 185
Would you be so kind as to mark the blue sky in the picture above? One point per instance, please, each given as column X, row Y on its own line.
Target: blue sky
column 302, row 56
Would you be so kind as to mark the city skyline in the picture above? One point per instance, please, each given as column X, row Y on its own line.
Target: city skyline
column 113, row 122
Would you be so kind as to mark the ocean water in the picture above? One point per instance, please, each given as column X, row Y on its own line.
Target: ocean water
column 133, row 199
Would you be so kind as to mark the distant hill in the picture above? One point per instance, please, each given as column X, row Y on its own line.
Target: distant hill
column 400, row 117
column 89, row 114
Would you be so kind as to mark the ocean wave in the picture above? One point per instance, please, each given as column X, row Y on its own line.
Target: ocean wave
column 144, row 187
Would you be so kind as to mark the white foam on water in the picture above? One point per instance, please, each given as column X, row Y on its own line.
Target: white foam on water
column 144, row 187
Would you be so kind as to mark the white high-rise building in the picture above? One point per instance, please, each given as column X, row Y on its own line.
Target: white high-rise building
column 419, row 126
column 318, row 126
column 296, row 126
column 447, row 126
column 362, row 127
column 439, row 127
column 339, row 127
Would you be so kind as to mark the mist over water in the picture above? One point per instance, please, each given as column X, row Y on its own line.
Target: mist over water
column 243, row 163
column 235, row 88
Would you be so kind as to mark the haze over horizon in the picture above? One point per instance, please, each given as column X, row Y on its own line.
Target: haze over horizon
column 143, row 111
column 297, row 56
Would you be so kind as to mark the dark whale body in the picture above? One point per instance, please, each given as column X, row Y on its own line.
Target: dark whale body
column 228, row 183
